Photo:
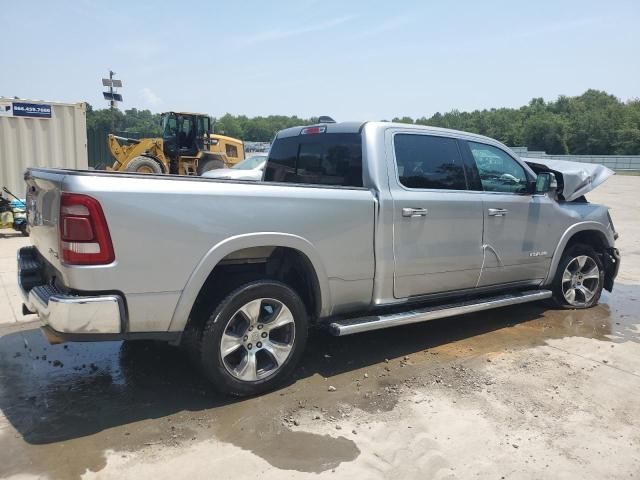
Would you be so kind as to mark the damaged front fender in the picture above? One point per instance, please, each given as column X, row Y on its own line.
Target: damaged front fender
column 575, row 178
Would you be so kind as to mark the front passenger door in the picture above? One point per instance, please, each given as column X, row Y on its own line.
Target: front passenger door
column 516, row 247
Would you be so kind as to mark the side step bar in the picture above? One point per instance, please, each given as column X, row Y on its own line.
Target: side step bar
column 364, row 324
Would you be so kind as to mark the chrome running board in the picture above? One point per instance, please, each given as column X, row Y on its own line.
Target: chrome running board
column 364, row 324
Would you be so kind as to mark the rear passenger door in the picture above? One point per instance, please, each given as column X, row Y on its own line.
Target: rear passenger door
column 437, row 223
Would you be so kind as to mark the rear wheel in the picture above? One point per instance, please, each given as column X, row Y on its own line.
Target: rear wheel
column 254, row 338
column 579, row 278
column 144, row 165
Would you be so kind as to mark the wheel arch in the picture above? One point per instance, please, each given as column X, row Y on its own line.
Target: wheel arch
column 590, row 233
column 230, row 246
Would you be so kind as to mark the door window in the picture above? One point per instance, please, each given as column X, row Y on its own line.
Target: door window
column 426, row 161
column 231, row 150
column 203, row 125
column 498, row 171
column 170, row 127
column 186, row 126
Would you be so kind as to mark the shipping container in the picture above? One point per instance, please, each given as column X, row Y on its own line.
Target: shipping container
column 36, row 133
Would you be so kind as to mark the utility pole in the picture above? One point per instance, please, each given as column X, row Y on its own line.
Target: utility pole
column 112, row 96
column 112, row 102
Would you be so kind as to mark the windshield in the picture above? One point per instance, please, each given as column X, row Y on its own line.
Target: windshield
column 251, row 163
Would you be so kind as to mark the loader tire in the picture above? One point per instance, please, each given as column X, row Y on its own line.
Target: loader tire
column 206, row 165
column 144, row 165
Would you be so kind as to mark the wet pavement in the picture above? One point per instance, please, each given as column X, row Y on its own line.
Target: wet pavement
column 64, row 405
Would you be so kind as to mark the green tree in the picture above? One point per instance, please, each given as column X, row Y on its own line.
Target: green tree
column 592, row 123
column 403, row 120
column 228, row 125
column 547, row 132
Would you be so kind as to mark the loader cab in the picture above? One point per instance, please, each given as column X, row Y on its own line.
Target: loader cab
column 185, row 134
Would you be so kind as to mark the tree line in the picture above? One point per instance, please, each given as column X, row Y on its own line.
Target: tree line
column 594, row 123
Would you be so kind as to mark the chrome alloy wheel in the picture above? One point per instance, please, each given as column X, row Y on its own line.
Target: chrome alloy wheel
column 580, row 280
column 258, row 339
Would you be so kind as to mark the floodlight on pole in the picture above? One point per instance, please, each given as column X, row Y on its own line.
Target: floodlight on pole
column 111, row 96
column 107, row 82
column 115, row 97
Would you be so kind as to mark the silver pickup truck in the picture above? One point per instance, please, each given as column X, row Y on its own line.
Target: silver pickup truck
column 354, row 227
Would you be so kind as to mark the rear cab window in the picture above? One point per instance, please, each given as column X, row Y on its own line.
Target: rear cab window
column 333, row 159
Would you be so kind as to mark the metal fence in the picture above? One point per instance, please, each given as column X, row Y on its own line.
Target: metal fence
column 619, row 163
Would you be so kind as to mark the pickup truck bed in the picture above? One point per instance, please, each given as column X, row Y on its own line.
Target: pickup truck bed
column 169, row 232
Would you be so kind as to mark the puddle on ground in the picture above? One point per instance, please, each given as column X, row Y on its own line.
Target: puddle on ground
column 256, row 431
column 65, row 405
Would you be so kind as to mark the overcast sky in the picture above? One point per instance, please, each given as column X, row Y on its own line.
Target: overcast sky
column 355, row 60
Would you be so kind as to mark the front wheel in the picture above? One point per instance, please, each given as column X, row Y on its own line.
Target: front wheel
column 579, row 278
column 254, row 338
column 143, row 164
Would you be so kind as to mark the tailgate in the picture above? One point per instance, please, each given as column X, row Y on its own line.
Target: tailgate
column 43, row 210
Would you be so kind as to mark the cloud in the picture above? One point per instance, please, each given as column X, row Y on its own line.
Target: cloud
column 279, row 34
column 150, row 98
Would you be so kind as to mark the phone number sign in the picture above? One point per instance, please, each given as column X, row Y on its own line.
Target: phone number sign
column 22, row 109
column 35, row 110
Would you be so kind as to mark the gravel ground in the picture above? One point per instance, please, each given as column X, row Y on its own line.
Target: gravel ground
column 524, row 392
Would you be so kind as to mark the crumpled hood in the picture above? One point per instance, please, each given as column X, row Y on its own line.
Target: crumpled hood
column 577, row 178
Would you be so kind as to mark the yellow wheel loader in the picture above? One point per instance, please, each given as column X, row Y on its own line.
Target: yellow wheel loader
column 187, row 147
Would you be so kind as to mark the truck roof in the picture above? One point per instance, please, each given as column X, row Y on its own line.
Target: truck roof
column 356, row 127
column 186, row 113
column 341, row 127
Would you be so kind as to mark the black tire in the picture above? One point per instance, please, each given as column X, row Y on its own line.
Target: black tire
column 23, row 228
column 561, row 283
column 212, row 164
column 144, row 165
column 224, row 317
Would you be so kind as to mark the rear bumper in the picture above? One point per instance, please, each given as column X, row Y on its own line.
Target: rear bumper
column 62, row 311
column 76, row 314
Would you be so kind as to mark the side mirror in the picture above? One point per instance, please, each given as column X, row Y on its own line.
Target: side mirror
column 546, row 182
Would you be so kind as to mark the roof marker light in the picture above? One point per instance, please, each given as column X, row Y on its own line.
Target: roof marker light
column 313, row 130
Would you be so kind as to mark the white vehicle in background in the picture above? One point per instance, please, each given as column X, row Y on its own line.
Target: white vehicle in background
column 250, row 168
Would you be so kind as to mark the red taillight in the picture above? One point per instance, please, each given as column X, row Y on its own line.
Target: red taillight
column 84, row 234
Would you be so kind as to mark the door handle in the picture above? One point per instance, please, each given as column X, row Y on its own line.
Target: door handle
column 414, row 212
column 498, row 212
